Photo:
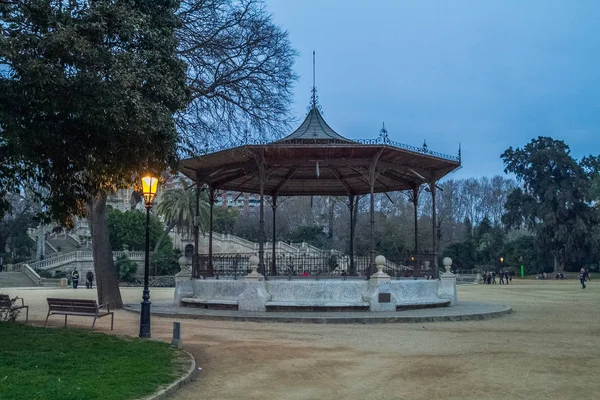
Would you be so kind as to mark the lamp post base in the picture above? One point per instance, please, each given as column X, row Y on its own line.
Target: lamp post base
column 145, row 320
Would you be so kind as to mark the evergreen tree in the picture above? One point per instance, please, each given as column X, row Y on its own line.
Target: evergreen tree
column 87, row 98
column 554, row 201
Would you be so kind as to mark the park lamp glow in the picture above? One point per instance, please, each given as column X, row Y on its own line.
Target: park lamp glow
column 149, row 187
column 501, row 259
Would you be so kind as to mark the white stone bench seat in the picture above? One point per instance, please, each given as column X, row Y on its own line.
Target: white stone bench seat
column 194, row 300
column 422, row 304
column 308, row 303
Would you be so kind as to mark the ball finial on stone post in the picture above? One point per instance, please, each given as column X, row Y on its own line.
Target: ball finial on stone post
column 380, row 263
column 380, row 275
column 183, row 262
column 186, row 270
column 254, row 275
column 447, row 261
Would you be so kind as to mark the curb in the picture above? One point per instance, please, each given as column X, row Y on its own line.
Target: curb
column 188, row 377
column 506, row 310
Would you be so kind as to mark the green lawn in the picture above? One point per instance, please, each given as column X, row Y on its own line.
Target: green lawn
column 69, row 364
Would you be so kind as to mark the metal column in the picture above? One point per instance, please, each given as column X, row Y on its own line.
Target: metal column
column 351, row 206
column 261, row 235
column 415, row 201
column 432, row 187
column 196, row 256
column 273, row 261
column 211, row 199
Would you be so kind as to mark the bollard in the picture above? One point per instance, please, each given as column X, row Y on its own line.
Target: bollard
column 177, row 335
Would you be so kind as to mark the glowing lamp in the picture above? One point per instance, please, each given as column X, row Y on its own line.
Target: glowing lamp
column 149, row 187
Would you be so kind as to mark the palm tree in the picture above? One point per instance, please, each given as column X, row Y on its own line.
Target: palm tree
column 178, row 208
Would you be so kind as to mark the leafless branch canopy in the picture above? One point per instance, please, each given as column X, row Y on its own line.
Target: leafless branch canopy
column 239, row 70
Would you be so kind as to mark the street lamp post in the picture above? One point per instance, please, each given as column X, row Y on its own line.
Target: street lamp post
column 149, row 186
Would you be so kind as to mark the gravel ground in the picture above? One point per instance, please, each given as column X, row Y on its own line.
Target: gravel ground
column 547, row 349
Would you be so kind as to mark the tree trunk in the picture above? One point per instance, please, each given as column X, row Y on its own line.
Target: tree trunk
column 355, row 217
column 40, row 243
column 331, row 216
column 164, row 234
column 107, row 283
column 559, row 265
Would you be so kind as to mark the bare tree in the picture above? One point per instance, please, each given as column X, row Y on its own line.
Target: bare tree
column 239, row 72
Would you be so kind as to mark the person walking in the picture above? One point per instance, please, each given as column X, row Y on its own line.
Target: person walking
column 506, row 276
column 582, row 277
column 89, row 279
column 75, row 278
column 501, row 278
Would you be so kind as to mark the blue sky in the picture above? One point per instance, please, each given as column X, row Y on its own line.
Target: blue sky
column 488, row 74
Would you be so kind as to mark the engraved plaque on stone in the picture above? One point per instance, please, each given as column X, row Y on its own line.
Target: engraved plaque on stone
column 385, row 297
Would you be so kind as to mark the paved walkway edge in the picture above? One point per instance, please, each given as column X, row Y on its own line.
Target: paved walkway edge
column 358, row 319
column 188, row 377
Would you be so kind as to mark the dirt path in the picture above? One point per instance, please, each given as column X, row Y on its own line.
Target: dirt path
column 547, row 349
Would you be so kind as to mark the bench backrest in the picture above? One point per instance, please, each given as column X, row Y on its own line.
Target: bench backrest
column 73, row 305
column 5, row 301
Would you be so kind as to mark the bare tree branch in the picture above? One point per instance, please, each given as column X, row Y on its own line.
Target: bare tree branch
column 239, row 71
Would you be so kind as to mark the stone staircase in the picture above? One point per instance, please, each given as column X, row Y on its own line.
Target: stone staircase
column 63, row 243
column 15, row 279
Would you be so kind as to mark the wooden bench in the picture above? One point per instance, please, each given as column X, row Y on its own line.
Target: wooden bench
column 6, row 304
column 85, row 308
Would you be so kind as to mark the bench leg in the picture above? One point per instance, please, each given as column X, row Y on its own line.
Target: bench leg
column 112, row 320
column 27, row 314
column 47, row 319
column 65, row 320
column 94, row 323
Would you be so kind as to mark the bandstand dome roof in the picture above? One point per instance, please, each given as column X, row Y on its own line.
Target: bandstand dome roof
column 314, row 128
column 315, row 160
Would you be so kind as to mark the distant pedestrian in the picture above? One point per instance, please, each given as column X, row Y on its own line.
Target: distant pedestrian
column 506, row 276
column 75, row 278
column 89, row 279
column 494, row 277
column 582, row 277
column 502, row 278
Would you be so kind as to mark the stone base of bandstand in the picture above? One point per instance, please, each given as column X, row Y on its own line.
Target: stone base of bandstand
column 318, row 295
column 253, row 293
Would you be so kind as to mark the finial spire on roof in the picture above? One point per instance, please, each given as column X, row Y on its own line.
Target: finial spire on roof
column 383, row 133
column 314, row 88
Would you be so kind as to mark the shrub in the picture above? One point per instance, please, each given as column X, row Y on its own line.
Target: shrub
column 60, row 274
column 165, row 261
column 9, row 314
column 126, row 268
column 45, row 274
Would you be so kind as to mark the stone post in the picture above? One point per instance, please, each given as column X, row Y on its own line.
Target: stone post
column 447, row 283
column 379, row 294
column 255, row 296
